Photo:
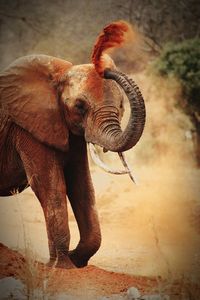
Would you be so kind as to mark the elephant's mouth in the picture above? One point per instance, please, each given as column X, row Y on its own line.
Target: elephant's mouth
column 97, row 160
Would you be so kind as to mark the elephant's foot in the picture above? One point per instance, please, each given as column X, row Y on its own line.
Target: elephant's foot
column 65, row 263
column 51, row 263
column 62, row 262
column 77, row 260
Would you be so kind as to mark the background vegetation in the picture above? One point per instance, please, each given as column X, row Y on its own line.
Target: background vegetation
column 68, row 28
column 182, row 61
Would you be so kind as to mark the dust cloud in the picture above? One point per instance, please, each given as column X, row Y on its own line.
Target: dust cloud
column 114, row 36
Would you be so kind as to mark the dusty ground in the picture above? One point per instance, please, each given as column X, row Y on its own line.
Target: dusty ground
column 150, row 237
column 87, row 283
column 151, row 232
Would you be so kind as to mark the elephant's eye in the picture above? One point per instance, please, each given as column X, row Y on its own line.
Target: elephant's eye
column 66, row 100
column 81, row 106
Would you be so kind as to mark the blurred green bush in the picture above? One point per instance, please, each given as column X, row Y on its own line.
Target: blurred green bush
column 182, row 61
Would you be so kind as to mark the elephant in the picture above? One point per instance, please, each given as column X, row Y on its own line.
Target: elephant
column 49, row 110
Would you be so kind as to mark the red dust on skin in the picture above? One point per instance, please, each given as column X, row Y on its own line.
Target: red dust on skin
column 95, row 86
column 113, row 36
column 60, row 67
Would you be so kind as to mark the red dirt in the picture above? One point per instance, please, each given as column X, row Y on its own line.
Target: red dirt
column 87, row 283
column 113, row 36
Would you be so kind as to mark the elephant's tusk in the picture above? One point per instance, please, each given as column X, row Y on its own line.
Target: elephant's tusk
column 127, row 168
column 102, row 165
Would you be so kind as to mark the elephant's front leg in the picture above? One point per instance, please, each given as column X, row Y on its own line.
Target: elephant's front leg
column 46, row 178
column 56, row 217
column 81, row 195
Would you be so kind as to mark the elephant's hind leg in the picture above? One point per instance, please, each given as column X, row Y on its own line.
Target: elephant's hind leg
column 46, row 178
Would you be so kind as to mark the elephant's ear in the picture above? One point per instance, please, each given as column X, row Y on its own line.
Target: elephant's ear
column 29, row 95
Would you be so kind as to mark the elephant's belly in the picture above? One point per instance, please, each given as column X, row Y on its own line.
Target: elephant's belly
column 12, row 176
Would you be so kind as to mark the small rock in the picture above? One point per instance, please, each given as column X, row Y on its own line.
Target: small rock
column 11, row 287
column 133, row 294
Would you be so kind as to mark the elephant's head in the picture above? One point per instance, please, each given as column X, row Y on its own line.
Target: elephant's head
column 93, row 106
column 94, row 93
column 50, row 97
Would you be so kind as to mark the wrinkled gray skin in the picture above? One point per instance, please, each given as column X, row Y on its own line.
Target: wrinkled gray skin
column 49, row 109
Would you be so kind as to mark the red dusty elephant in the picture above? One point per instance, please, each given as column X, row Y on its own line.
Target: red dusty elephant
column 49, row 110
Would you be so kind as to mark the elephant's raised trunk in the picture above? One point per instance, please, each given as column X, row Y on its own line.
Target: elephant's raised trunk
column 110, row 135
column 125, row 140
